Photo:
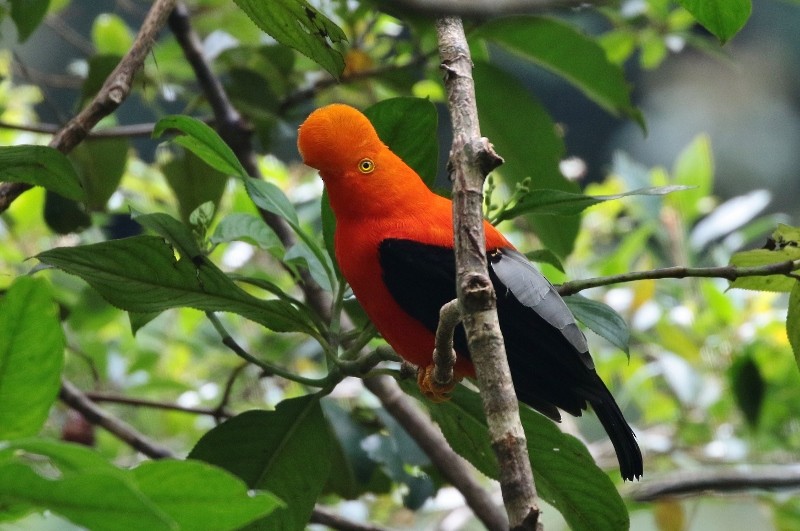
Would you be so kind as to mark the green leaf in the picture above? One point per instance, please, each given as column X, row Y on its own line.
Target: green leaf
column 408, row 127
column 204, row 142
column 569, row 53
column 27, row 15
column 141, row 274
column 110, row 35
column 248, row 228
column 303, row 254
column 165, row 484
column 64, row 215
column 723, row 18
column 286, row 451
column 694, row 169
column 101, row 165
column 175, row 232
column 31, row 357
column 793, row 322
column 748, row 388
column 269, row 197
column 566, row 476
column 41, row 166
column 505, row 109
column 783, row 246
column 297, row 24
column 193, row 182
column 95, row 500
column 559, row 203
column 602, row 320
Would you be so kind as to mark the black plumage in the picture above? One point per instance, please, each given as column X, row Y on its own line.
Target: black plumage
column 547, row 353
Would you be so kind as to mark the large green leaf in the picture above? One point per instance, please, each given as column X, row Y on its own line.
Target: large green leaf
column 567, row 52
column 248, row 228
column 601, row 319
column 31, row 357
column 723, row 18
column 286, row 451
column 155, row 492
column 408, row 127
column 193, row 182
column 560, row 203
column 142, row 274
column 203, row 141
column 41, row 166
column 101, row 164
column 297, row 24
column 784, row 246
column 525, row 136
column 566, row 476
column 99, row 501
column 27, row 15
column 165, row 483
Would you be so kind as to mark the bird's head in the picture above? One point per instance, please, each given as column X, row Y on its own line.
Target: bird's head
column 339, row 141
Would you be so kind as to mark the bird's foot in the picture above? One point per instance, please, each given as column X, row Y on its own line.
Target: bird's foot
column 432, row 389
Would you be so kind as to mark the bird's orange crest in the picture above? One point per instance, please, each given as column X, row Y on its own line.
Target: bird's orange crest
column 336, row 139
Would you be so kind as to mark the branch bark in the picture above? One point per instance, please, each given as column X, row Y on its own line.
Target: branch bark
column 471, row 158
column 482, row 8
column 452, row 466
column 114, row 91
column 695, row 483
column 731, row 273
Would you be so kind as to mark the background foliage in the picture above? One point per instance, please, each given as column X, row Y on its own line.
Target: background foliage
column 148, row 238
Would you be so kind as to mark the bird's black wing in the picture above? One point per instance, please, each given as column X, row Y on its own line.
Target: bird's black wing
column 547, row 353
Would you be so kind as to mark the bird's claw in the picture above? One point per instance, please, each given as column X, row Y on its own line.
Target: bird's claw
column 430, row 388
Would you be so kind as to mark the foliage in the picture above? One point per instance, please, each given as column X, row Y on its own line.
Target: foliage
column 154, row 234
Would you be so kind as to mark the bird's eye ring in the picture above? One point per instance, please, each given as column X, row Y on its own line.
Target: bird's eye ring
column 366, row 166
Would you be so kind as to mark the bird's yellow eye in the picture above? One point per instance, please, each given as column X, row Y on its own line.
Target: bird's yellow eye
column 366, row 166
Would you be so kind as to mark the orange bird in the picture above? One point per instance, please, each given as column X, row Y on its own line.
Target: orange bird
column 394, row 245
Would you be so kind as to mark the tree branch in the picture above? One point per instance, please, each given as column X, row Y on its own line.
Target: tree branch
column 119, row 131
column 430, row 439
column 115, row 89
column 77, row 400
column 471, row 158
column 334, row 521
column 694, row 483
column 727, row 272
column 96, row 396
column 483, row 8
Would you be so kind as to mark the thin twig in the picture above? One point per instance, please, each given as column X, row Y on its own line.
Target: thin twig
column 114, row 91
column 482, row 8
column 78, row 401
column 694, row 483
column 119, row 131
column 334, row 521
column 452, row 466
column 97, row 396
column 727, row 272
column 471, row 158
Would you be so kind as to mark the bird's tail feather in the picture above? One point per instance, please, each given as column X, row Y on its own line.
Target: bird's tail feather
column 628, row 453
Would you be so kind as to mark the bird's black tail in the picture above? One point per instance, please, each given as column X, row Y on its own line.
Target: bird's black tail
column 628, row 453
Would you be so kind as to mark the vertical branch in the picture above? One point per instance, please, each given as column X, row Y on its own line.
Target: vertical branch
column 471, row 158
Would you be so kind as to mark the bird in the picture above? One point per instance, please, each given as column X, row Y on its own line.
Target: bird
column 394, row 246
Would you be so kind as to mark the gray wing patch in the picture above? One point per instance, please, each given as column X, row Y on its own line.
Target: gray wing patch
column 531, row 289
